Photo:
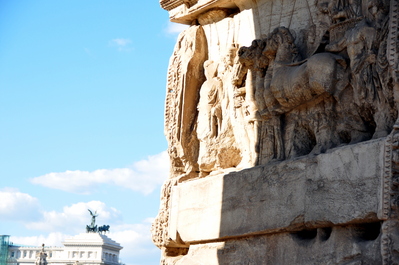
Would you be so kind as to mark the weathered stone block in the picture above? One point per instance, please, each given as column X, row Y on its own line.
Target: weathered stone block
column 349, row 245
column 339, row 187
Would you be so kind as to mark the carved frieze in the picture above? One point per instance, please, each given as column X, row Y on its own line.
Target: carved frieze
column 258, row 83
column 290, row 97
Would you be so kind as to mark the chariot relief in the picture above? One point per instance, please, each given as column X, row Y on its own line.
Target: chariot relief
column 280, row 98
column 257, row 83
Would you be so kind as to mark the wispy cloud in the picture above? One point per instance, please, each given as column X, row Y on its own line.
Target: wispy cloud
column 89, row 52
column 175, row 28
column 121, row 42
column 123, row 45
column 143, row 176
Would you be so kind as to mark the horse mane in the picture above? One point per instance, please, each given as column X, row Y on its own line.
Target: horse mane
column 282, row 36
column 284, row 33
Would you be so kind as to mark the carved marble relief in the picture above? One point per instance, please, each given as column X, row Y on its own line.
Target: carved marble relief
column 185, row 77
column 217, row 146
column 283, row 97
column 312, row 76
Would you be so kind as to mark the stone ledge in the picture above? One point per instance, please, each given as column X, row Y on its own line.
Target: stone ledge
column 170, row 4
column 186, row 14
column 354, row 245
column 341, row 187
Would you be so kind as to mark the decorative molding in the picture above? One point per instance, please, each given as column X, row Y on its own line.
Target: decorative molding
column 171, row 4
column 392, row 48
column 390, row 199
column 390, row 189
column 386, row 178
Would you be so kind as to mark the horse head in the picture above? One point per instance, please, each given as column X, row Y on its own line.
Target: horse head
column 245, row 56
column 280, row 45
column 248, row 55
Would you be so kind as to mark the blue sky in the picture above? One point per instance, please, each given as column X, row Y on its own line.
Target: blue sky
column 82, row 88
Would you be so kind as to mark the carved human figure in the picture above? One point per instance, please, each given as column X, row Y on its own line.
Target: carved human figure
column 249, row 78
column 246, row 82
column 234, row 143
column 230, row 102
column 218, row 149
column 368, row 90
column 341, row 10
column 209, row 119
column 210, row 113
column 376, row 12
column 358, row 43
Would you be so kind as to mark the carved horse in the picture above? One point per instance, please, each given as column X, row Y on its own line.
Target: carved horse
column 276, row 84
column 316, row 82
column 295, row 83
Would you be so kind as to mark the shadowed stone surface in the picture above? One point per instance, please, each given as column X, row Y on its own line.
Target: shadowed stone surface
column 349, row 245
column 339, row 187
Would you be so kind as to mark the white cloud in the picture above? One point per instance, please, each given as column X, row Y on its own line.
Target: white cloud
column 56, row 225
column 53, row 239
column 74, row 218
column 143, row 176
column 121, row 44
column 175, row 28
column 135, row 239
column 17, row 206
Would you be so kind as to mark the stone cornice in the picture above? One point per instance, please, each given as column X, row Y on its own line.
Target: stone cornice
column 171, row 4
column 192, row 9
column 84, row 245
column 108, row 246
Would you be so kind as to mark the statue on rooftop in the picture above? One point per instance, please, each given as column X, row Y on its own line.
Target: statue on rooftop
column 92, row 227
column 93, row 217
column 41, row 257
